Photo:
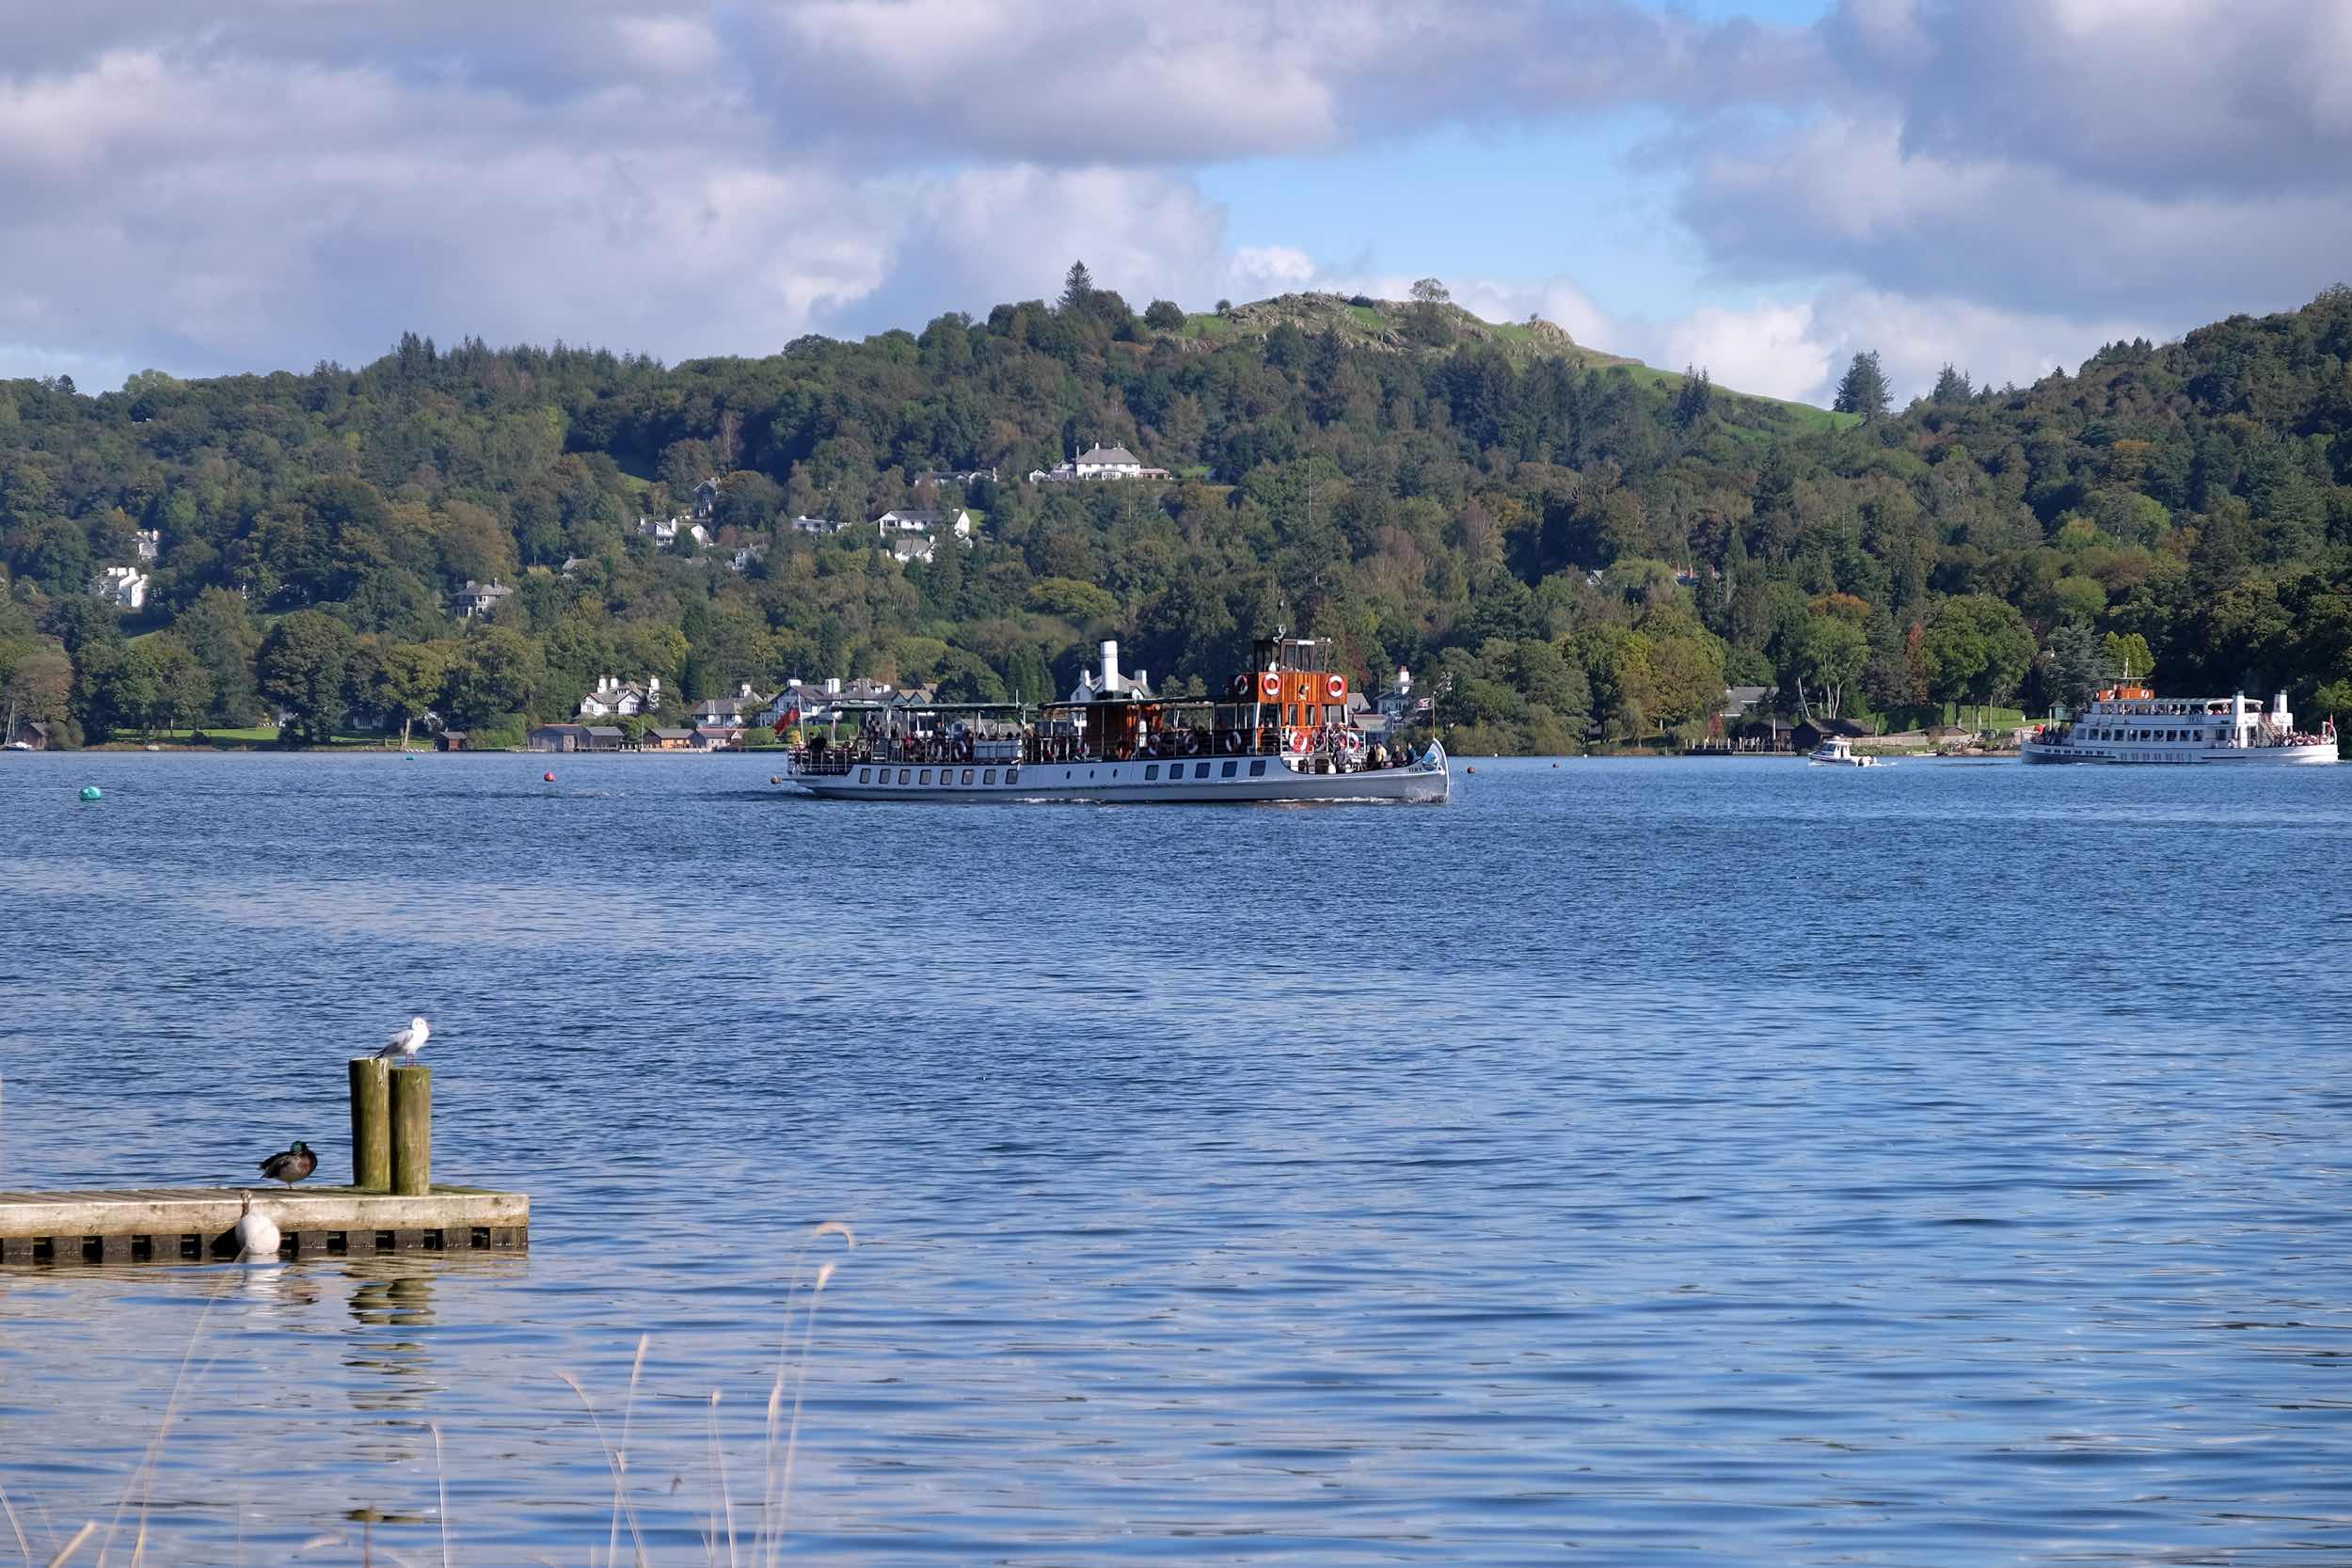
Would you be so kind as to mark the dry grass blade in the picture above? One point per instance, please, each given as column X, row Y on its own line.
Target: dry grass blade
column 799, row 1385
column 73, row 1545
column 440, row 1477
column 726, row 1522
column 142, row 1480
column 611, row 1459
column 629, row 1417
column 24, row 1547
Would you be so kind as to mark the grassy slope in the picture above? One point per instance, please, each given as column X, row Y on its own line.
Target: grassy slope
column 1749, row 415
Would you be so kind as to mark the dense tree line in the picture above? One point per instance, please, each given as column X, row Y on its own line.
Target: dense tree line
column 1575, row 552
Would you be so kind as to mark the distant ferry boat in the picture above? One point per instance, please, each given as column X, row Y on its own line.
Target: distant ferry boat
column 2130, row 724
column 1281, row 732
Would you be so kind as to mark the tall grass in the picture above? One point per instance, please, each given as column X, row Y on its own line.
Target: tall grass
column 721, row 1542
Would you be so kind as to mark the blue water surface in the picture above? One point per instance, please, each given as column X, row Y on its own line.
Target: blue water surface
column 1651, row 1163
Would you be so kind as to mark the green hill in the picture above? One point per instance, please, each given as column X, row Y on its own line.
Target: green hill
column 1581, row 545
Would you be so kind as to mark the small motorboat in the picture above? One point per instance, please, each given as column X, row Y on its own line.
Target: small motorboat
column 1835, row 751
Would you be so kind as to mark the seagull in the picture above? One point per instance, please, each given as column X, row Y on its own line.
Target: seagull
column 291, row 1166
column 257, row 1234
column 405, row 1044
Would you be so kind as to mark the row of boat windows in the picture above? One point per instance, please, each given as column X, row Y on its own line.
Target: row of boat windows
column 2143, row 735
column 1012, row 775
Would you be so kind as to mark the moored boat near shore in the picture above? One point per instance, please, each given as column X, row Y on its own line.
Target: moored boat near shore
column 1281, row 730
column 2128, row 723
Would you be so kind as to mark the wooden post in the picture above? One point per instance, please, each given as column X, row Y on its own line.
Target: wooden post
column 412, row 1131
column 370, row 1124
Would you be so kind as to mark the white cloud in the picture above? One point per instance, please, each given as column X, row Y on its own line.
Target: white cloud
column 2002, row 182
column 1771, row 349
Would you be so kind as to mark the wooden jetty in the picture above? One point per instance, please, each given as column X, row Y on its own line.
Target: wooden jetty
column 395, row 1207
column 167, row 1224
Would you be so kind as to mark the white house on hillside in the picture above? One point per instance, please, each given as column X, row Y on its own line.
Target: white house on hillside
column 123, row 586
column 955, row 520
column 1097, row 462
column 150, row 543
column 663, row 532
column 619, row 698
column 477, row 598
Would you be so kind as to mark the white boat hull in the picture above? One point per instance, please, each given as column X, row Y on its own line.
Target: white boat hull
column 2146, row 754
column 1427, row 781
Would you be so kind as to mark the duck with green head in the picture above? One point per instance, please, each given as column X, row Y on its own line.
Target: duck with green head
column 291, row 1166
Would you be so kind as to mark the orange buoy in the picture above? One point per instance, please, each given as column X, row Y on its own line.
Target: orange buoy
column 1470, row 769
column 549, row 777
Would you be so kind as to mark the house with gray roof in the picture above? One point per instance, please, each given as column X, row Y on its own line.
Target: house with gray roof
column 1097, row 462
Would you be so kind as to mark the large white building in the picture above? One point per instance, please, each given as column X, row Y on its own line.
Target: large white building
column 123, row 586
column 1097, row 462
column 620, row 699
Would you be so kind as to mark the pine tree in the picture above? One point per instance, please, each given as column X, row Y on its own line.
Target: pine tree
column 1952, row 386
column 1077, row 288
column 1864, row 389
column 1695, row 399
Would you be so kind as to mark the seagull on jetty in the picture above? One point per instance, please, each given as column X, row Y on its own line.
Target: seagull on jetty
column 405, row 1045
column 291, row 1166
column 256, row 1235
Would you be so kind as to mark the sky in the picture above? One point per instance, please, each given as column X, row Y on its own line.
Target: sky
column 1762, row 187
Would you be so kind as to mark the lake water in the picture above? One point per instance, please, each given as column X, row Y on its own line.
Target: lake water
column 1645, row 1163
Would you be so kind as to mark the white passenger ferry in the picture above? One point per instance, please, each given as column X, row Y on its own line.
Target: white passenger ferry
column 1281, row 732
column 2129, row 723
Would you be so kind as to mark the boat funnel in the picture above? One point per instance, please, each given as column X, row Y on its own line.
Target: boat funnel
column 1110, row 665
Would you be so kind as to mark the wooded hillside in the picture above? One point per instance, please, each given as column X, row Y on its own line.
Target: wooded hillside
column 1586, row 547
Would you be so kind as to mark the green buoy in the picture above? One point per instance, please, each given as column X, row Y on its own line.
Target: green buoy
column 91, row 792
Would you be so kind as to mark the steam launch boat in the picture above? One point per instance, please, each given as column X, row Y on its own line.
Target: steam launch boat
column 1282, row 730
column 2129, row 723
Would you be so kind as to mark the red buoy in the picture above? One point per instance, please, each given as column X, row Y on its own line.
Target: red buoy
column 549, row 777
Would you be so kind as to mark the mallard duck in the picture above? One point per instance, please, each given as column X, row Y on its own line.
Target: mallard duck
column 293, row 1165
column 403, row 1047
column 257, row 1234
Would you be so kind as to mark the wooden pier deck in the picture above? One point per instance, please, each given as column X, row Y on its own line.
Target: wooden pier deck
column 173, row 1224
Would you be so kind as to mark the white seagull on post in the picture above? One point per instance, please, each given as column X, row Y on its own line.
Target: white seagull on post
column 405, row 1045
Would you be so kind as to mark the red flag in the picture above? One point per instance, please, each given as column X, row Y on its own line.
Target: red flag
column 791, row 717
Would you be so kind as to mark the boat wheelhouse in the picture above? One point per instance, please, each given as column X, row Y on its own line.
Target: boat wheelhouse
column 2128, row 723
column 1836, row 751
column 1283, row 731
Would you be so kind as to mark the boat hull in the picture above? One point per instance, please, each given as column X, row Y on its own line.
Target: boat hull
column 2132, row 755
column 1427, row 781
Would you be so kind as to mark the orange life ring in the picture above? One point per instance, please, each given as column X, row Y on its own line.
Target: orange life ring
column 1269, row 685
column 1336, row 687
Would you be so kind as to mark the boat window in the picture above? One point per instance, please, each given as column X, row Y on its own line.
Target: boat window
column 967, row 775
column 1228, row 770
column 902, row 775
column 988, row 776
column 862, row 774
column 1257, row 768
column 1152, row 773
column 1200, row 771
column 925, row 778
column 1012, row 775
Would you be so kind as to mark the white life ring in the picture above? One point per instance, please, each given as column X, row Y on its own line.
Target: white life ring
column 1269, row 685
column 1298, row 742
column 1336, row 687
